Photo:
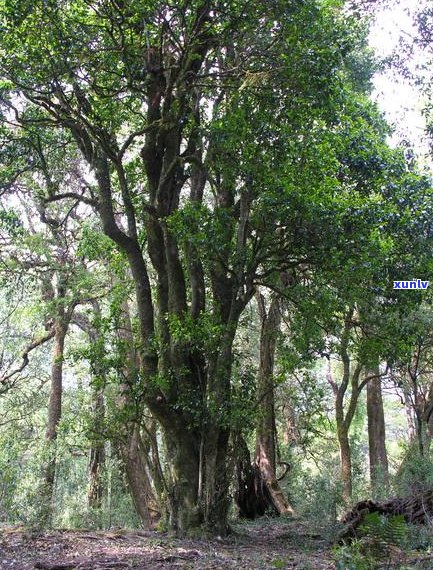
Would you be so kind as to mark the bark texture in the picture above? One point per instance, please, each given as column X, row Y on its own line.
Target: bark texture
column 132, row 448
column 139, row 481
column 265, row 454
column 54, row 413
column 253, row 497
column 95, row 491
column 376, row 435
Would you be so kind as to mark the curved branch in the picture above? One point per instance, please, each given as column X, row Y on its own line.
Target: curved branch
column 25, row 355
column 286, row 470
column 74, row 196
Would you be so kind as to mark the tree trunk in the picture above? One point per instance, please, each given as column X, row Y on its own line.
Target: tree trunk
column 428, row 418
column 97, row 453
column 345, row 412
column 345, row 462
column 376, row 435
column 139, row 482
column 54, row 415
column 410, row 415
column 130, row 443
column 96, row 465
column 265, row 456
column 184, row 509
column 95, row 489
column 290, row 430
column 215, row 436
column 149, row 441
column 252, row 493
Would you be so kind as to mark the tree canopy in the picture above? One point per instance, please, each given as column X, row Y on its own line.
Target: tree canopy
column 196, row 153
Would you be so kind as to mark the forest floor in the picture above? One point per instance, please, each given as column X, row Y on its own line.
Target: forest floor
column 262, row 545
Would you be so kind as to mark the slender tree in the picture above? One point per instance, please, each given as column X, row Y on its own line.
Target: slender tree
column 265, row 455
column 379, row 478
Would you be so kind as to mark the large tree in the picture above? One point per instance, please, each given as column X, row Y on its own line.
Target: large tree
column 210, row 133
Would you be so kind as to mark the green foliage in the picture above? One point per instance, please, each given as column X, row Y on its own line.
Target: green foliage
column 353, row 557
column 383, row 532
column 10, row 220
column 419, row 537
column 201, row 333
column 94, row 245
column 310, row 402
column 72, row 510
column 316, row 490
column 278, row 563
column 415, row 474
column 10, row 468
column 244, row 408
column 379, row 535
column 299, row 183
column 23, row 497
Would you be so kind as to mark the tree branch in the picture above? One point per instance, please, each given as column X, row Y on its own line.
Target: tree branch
column 74, row 196
column 25, row 355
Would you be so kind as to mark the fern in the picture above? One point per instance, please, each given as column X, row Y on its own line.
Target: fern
column 384, row 532
column 378, row 537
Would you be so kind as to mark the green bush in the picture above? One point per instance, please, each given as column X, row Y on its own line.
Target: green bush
column 353, row 557
column 415, row 474
column 378, row 536
column 317, row 494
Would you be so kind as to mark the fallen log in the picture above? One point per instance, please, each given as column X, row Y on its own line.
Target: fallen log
column 416, row 509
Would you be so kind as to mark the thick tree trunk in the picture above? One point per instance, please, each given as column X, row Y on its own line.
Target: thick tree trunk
column 95, row 491
column 217, row 481
column 54, row 415
column 197, row 434
column 265, row 456
column 185, row 513
column 376, row 435
column 265, row 429
column 215, row 435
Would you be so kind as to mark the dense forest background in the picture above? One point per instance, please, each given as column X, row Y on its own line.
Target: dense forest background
column 202, row 222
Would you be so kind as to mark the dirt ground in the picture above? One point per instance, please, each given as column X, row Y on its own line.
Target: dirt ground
column 270, row 544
